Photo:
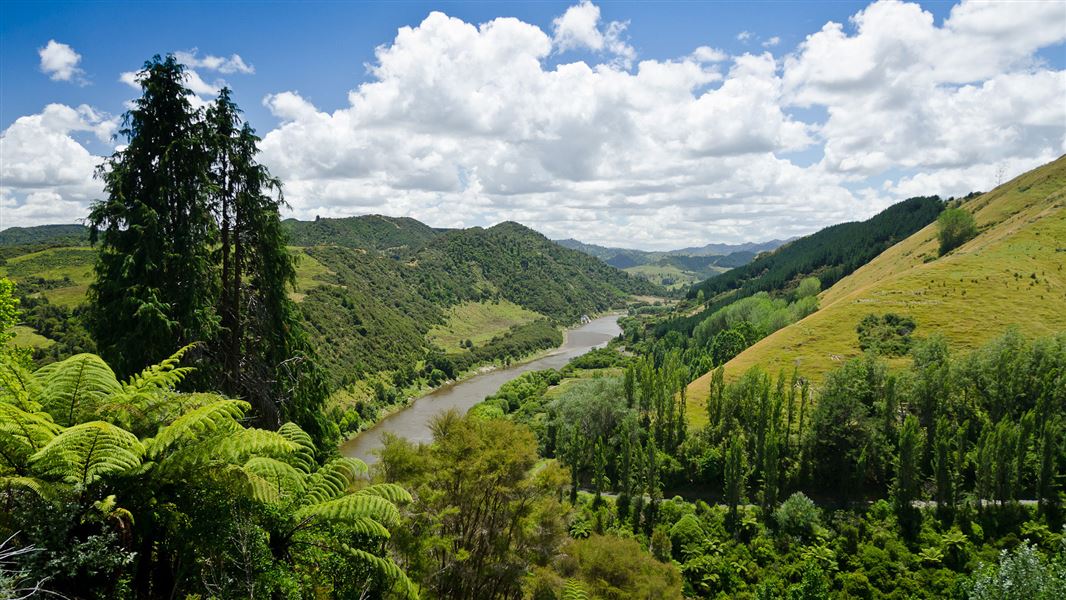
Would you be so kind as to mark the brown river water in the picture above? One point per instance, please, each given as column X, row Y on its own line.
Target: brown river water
column 412, row 422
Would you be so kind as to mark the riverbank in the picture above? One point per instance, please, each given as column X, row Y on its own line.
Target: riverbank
column 412, row 394
column 412, row 421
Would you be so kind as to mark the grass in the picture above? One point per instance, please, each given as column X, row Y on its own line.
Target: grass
column 1011, row 274
column 478, row 322
column 26, row 337
column 309, row 273
column 657, row 273
column 75, row 263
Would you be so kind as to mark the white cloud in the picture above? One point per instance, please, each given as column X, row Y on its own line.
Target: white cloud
column 60, row 63
column 745, row 36
column 904, row 93
column 46, row 174
column 579, row 28
column 770, row 43
column 706, row 54
column 226, row 66
column 461, row 124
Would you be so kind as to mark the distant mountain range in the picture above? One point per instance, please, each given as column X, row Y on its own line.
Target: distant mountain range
column 676, row 268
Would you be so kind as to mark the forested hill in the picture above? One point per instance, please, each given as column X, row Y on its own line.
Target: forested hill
column 368, row 231
column 377, row 294
column 675, row 268
column 530, row 270
column 45, row 235
column 829, row 255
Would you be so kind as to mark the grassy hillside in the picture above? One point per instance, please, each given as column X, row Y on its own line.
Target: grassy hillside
column 478, row 322
column 1011, row 274
column 61, row 274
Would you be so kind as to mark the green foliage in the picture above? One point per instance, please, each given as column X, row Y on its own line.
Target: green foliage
column 91, row 469
column 888, row 334
column 1021, row 574
column 829, row 255
column 955, row 226
column 798, row 516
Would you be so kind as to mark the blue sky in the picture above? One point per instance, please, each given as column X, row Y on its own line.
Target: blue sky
column 738, row 148
column 320, row 48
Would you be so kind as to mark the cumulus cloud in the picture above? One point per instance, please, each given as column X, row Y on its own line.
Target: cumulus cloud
column 462, row 124
column 770, row 43
column 227, row 66
column 60, row 63
column 46, row 174
column 905, row 93
column 579, row 28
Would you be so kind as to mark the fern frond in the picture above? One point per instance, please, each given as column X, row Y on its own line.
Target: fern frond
column 347, row 509
column 283, row 478
column 388, row 569
column 390, row 491
column 244, row 443
column 86, row 452
column 218, row 417
column 73, row 389
column 304, row 457
column 574, row 590
column 163, row 376
column 22, row 434
column 41, row 489
column 17, row 385
column 333, row 479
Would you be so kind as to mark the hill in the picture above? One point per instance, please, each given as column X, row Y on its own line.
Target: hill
column 1010, row 274
column 69, row 235
column 369, row 231
column 828, row 255
column 381, row 293
column 675, row 268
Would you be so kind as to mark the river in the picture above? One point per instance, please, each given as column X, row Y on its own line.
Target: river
column 412, row 422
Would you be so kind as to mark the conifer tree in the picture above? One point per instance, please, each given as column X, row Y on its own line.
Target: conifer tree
column 155, row 281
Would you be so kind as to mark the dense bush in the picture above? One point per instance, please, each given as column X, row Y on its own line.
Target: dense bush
column 955, row 226
column 888, row 334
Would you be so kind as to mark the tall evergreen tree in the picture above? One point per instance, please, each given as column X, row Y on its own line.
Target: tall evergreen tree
column 155, row 284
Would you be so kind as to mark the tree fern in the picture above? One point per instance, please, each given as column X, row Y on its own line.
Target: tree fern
column 17, row 385
column 73, row 389
column 86, row 452
column 283, row 478
column 22, row 434
column 334, row 479
column 243, row 443
column 304, row 456
column 388, row 569
column 218, row 417
column 574, row 590
column 390, row 491
column 352, row 507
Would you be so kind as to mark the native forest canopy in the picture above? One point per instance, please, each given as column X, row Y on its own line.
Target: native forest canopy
column 875, row 410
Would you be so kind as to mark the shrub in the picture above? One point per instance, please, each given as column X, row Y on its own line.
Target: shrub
column 955, row 227
column 888, row 334
column 797, row 516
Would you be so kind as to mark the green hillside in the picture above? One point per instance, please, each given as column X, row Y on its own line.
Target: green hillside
column 828, row 255
column 66, row 235
column 1010, row 274
column 369, row 231
column 378, row 294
